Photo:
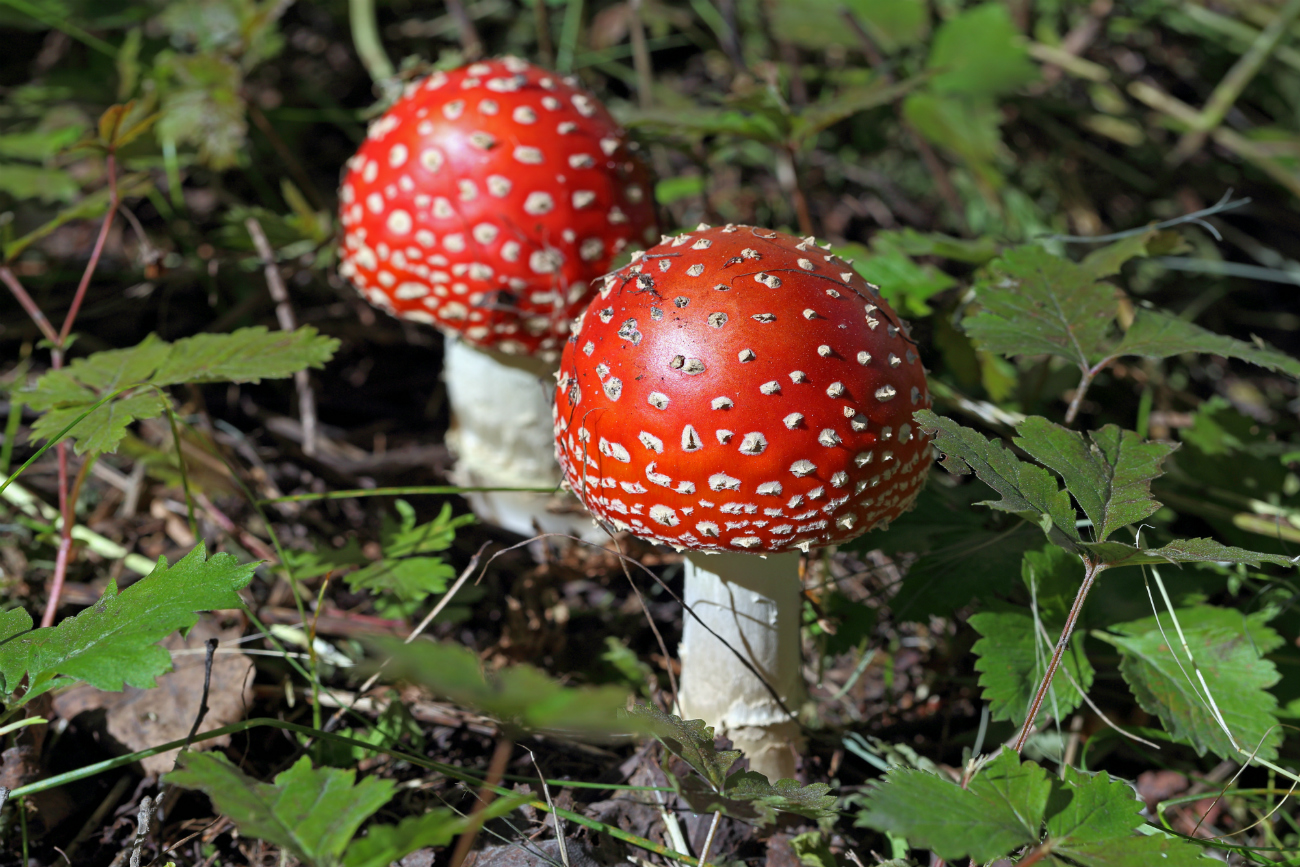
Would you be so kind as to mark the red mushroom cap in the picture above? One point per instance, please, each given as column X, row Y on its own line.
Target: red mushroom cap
column 738, row 389
column 487, row 199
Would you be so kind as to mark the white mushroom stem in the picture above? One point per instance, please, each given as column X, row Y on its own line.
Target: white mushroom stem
column 753, row 604
column 501, row 434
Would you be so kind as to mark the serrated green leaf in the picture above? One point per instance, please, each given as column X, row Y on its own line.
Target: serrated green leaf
column 520, row 696
column 1110, row 477
column 783, row 796
column 104, row 428
column 980, row 52
column 689, row 740
column 1035, row 303
column 1228, row 647
column 1138, row 852
column 410, row 579
column 406, row 538
column 311, row 813
column 1001, row 810
column 86, row 380
column 1159, row 335
column 1091, row 809
column 246, row 355
column 386, row 844
column 1012, row 659
column 1181, row 551
column 115, row 641
column 813, row 850
column 306, row 565
column 1027, row 490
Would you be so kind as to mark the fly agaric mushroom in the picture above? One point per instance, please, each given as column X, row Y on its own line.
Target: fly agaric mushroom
column 742, row 392
column 484, row 202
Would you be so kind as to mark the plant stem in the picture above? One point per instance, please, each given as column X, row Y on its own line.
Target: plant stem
column 470, row 43
column 365, row 36
column 94, row 257
column 1089, row 576
column 708, row 841
column 1077, row 400
column 640, row 56
column 9, row 279
column 68, row 508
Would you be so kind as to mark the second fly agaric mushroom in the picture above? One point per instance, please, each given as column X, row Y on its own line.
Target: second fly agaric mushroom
column 738, row 392
column 484, row 202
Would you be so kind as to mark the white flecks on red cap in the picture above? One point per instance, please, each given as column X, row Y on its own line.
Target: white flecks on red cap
column 726, row 413
column 456, row 189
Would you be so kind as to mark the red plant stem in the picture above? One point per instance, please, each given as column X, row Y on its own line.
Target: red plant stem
column 94, row 255
column 11, row 280
column 1089, row 576
column 496, row 770
column 67, row 510
column 68, row 500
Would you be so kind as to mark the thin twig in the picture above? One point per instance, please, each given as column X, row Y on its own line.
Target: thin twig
column 142, row 819
column 640, row 56
column 470, row 43
column 486, row 794
column 545, row 51
column 210, row 647
column 1225, row 203
column 284, row 314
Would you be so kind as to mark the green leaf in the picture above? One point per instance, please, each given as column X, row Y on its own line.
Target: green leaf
column 813, row 850
column 246, row 355
column 965, row 127
column 1228, row 647
column 115, row 641
column 980, row 52
column 1035, row 303
column 844, row 104
column 1110, row 477
column 1001, row 810
column 312, row 814
column 386, row 844
column 689, row 740
column 1012, row 659
column 410, row 580
column 48, row 184
column 1092, row 809
column 783, row 796
column 520, row 696
column 1139, row 852
column 1181, row 551
column 1027, row 490
column 1159, row 335
column 905, row 284
column 306, row 565
column 400, row 540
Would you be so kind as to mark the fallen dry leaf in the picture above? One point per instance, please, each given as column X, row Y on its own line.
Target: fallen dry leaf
column 137, row 719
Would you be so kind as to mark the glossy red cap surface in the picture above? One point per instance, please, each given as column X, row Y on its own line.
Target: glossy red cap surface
column 740, row 389
column 487, row 199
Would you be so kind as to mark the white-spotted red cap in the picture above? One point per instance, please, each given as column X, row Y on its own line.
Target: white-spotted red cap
column 487, row 199
column 739, row 389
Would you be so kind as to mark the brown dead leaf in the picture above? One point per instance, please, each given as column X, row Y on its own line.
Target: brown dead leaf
column 137, row 719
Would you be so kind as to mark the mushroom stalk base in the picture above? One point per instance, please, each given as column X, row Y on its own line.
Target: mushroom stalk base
column 501, row 434
column 753, row 604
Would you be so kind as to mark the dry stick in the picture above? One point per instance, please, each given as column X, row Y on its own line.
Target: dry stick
column 211, row 647
column 428, row 618
column 1229, row 89
column 284, row 313
column 486, row 794
column 640, row 56
column 931, row 159
column 1089, row 576
column 141, row 829
column 545, row 51
column 470, row 43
